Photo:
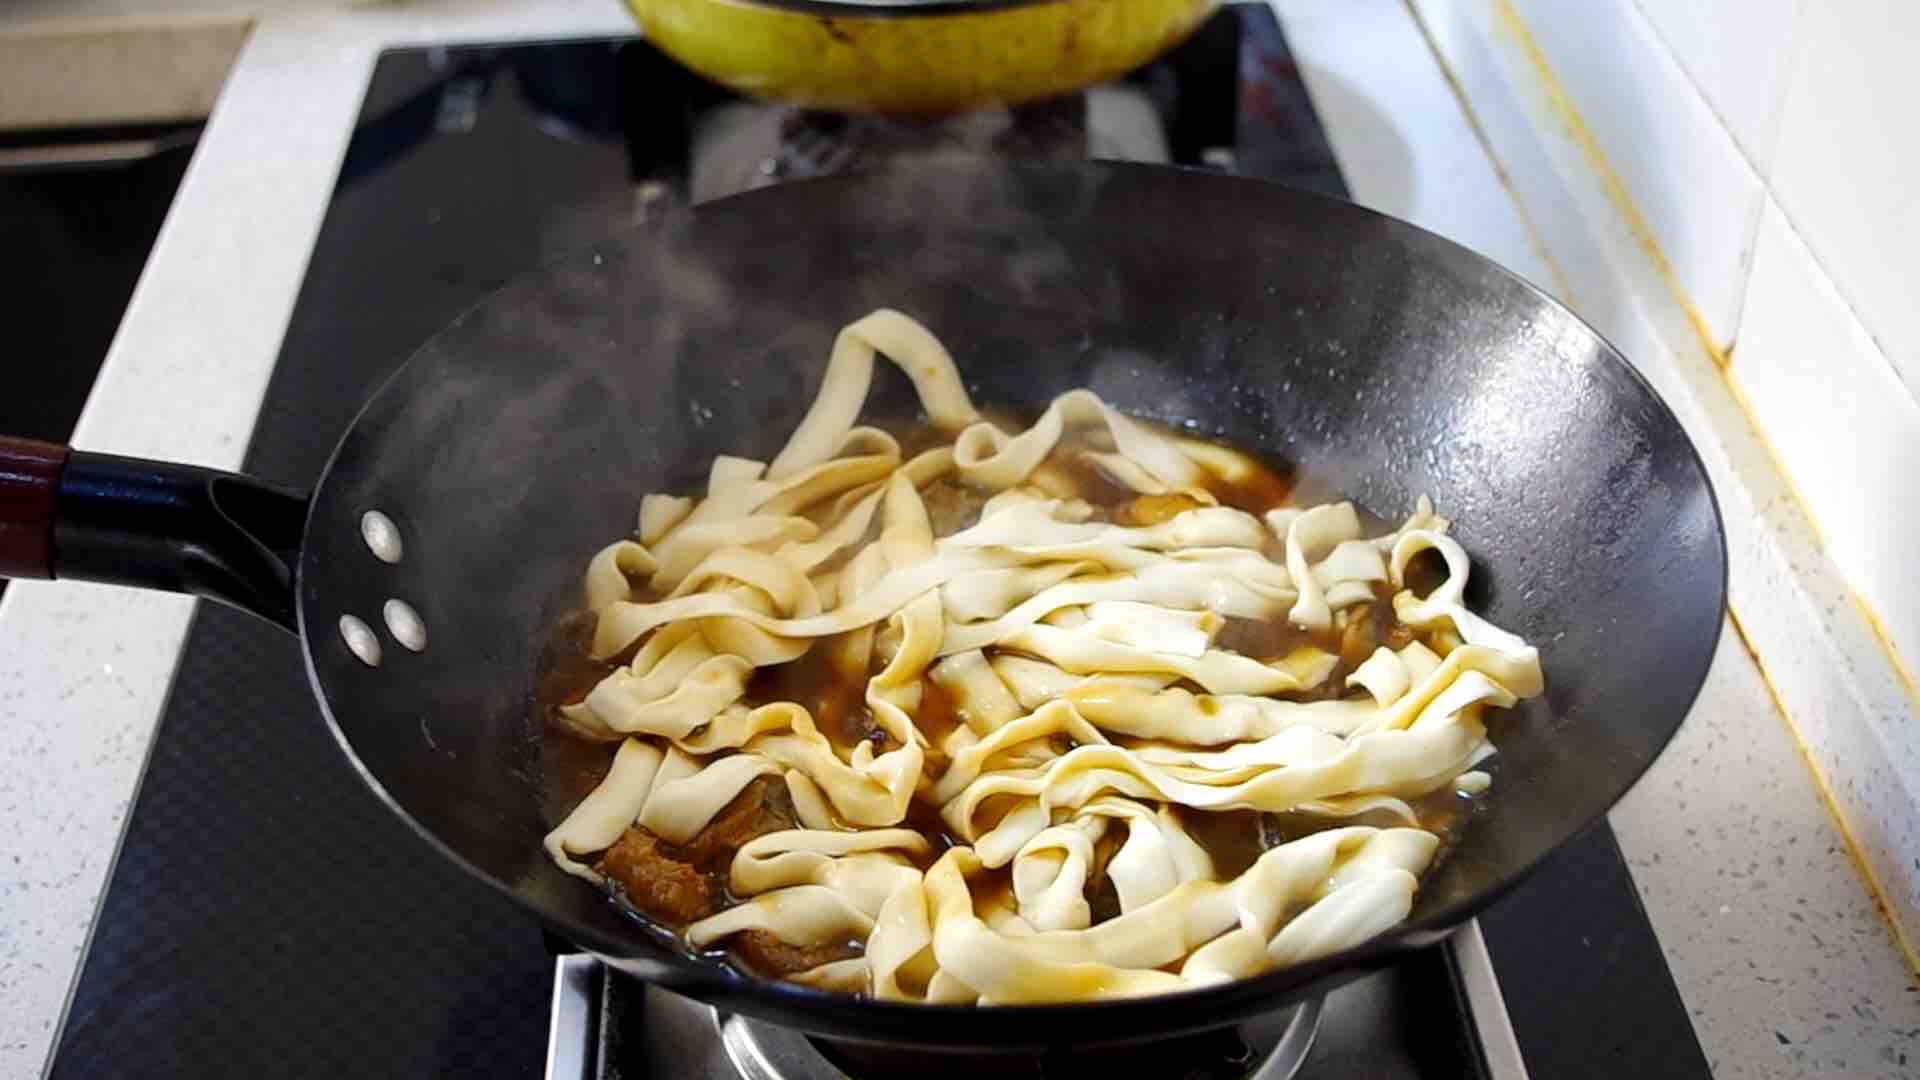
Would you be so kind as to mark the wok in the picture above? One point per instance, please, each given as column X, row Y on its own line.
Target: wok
column 914, row 57
column 1383, row 361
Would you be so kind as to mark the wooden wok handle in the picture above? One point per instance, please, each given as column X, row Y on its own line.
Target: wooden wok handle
column 29, row 476
column 149, row 524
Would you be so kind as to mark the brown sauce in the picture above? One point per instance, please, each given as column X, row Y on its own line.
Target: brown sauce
column 1425, row 572
column 1085, row 479
column 938, row 714
column 676, row 885
column 1256, row 491
column 768, row 955
column 1103, row 900
column 822, row 683
column 1446, row 813
column 951, row 506
column 567, row 671
column 1233, row 838
column 1267, row 639
column 923, row 817
column 572, row 766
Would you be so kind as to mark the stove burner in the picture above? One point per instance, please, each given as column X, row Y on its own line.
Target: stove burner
column 1270, row 1048
column 743, row 145
column 664, row 1034
column 818, row 143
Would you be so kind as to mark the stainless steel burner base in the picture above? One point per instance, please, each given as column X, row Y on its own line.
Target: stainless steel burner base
column 744, row 145
column 683, row 1038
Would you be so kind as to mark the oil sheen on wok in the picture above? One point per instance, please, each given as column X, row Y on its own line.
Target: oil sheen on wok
column 990, row 712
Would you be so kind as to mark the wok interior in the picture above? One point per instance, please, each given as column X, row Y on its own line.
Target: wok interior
column 1382, row 361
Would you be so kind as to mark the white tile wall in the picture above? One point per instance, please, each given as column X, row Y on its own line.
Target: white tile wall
column 1841, row 423
column 1812, row 433
column 1381, row 126
column 1847, row 170
column 1844, row 431
column 1679, row 164
column 1853, row 717
column 1717, row 113
column 1593, row 279
column 1739, row 54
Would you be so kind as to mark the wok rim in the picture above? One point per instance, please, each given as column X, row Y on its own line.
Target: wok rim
column 845, row 1016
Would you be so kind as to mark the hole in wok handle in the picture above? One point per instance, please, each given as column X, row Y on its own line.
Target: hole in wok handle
column 179, row 528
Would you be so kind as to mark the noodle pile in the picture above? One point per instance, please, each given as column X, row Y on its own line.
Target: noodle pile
column 1091, row 694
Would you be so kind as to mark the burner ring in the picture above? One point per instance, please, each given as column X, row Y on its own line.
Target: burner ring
column 763, row 1051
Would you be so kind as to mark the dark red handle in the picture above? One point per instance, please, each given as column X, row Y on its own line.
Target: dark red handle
column 29, row 476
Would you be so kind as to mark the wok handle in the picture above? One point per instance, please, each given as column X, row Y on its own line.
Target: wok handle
column 149, row 524
column 29, row 476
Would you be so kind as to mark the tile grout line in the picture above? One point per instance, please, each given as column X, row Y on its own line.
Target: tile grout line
column 1832, row 283
column 1751, row 232
column 1508, row 18
column 1904, row 674
column 1768, row 191
column 1855, row 852
column 1700, row 91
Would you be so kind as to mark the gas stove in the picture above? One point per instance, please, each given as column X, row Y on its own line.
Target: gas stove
column 1411, row 1020
column 266, row 915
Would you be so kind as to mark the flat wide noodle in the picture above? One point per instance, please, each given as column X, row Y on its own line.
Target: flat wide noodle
column 1056, row 682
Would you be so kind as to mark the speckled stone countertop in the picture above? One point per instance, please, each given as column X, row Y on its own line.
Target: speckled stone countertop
column 1774, row 940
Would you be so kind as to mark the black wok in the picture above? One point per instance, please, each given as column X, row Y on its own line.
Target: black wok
column 1381, row 360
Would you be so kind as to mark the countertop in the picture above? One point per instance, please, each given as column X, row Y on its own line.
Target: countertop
column 106, row 63
column 1775, row 942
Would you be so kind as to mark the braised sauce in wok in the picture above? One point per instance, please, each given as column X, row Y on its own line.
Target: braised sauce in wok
column 674, row 885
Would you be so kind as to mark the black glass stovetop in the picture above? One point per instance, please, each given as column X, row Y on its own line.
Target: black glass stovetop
column 267, row 916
